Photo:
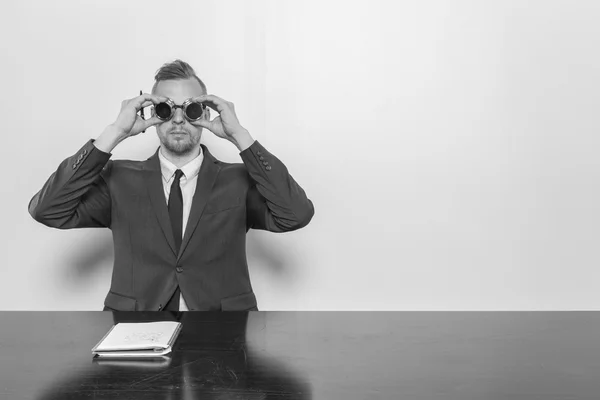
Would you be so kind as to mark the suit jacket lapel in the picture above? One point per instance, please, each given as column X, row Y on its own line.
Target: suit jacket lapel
column 207, row 176
column 154, row 186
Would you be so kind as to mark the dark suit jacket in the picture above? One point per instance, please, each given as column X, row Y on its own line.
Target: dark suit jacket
column 89, row 190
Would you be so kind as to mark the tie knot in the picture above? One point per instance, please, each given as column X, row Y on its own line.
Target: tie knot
column 178, row 175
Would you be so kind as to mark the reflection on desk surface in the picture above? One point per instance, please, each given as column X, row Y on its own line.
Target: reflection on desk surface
column 305, row 355
column 211, row 360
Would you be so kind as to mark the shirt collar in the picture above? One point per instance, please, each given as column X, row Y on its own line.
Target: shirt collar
column 189, row 170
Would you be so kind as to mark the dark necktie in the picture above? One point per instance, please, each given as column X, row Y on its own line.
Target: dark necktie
column 176, row 209
column 176, row 214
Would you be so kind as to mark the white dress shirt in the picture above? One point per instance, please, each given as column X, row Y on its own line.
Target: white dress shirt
column 188, row 187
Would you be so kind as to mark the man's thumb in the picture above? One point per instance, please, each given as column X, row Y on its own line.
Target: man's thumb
column 202, row 123
column 151, row 122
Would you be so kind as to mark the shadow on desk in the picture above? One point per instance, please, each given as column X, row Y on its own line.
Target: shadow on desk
column 211, row 360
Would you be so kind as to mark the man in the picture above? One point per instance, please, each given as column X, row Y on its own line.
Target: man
column 179, row 219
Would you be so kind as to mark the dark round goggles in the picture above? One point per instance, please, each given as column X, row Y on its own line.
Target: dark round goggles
column 191, row 110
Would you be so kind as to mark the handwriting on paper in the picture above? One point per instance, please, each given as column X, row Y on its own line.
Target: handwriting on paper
column 143, row 337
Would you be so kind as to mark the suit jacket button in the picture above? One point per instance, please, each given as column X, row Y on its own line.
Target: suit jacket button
column 261, row 158
column 160, row 307
column 179, row 269
column 84, row 152
column 74, row 166
column 265, row 163
column 268, row 167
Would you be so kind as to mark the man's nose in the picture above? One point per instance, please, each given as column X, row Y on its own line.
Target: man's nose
column 178, row 116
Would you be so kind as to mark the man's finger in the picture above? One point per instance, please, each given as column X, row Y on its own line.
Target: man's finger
column 202, row 123
column 151, row 122
column 147, row 113
column 148, row 99
column 147, row 103
column 216, row 103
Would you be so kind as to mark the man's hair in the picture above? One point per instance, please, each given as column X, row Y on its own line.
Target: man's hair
column 176, row 70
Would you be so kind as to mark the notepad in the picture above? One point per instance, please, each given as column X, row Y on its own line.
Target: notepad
column 138, row 340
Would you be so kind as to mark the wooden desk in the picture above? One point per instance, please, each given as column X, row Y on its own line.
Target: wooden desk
column 311, row 355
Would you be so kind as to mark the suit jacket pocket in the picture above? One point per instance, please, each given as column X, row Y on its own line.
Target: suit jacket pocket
column 119, row 302
column 242, row 302
column 223, row 204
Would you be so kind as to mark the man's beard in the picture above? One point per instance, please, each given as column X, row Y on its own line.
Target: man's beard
column 181, row 147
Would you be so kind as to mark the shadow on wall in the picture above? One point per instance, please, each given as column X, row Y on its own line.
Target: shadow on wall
column 96, row 252
column 264, row 253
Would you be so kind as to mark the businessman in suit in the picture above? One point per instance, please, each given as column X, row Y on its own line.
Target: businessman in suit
column 179, row 219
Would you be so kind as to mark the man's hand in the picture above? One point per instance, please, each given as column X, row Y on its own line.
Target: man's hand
column 128, row 122
column 226, row 125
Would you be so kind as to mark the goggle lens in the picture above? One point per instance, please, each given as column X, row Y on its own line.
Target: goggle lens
column 194, row 111
column 163, row 111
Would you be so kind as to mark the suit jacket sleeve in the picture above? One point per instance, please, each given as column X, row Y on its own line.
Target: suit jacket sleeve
column 275, row 201
column 76, row 195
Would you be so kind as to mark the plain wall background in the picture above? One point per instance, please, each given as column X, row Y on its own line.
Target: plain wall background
column 449, row 147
